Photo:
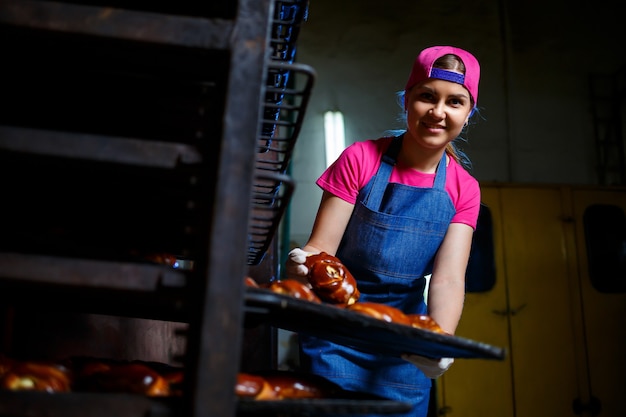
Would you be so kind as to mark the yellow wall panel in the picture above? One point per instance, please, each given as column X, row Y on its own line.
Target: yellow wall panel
column 462, row 390
column 604, row 317
column 539, row 299
column 565, row 340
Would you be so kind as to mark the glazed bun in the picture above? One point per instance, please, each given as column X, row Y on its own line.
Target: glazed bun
column 254, row 387
column 331, row 280
column 132, row 377
column 250, row 282
column 36, row 376
column 381, row 312
column 87, row 374
column 290, row 385
column 423, row 321
column 282, row 385
column 294, row 288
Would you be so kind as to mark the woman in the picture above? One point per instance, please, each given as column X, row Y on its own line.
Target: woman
column 394, row 210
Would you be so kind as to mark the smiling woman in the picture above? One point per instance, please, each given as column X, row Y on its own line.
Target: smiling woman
column 392, row 210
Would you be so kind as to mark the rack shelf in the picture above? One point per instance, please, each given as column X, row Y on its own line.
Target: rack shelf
column 134, row 128
column 192, row 26
column 114, row 118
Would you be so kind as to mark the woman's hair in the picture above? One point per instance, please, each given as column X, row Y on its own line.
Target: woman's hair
column 447, row 62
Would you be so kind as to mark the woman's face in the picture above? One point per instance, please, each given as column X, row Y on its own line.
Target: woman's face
column 436, row 112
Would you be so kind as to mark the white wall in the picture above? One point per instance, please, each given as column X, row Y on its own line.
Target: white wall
column 536, row 56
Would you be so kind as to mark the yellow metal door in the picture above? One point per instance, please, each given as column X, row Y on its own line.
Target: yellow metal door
column 540, row 303
column 604, row 315
column 475, row 387
column 529, row 311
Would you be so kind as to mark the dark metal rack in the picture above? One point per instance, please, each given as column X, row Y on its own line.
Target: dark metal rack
column 283, row 115
column 286, row 98
column 129, row 128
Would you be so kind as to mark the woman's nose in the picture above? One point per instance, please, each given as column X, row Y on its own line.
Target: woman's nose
column 438, row 110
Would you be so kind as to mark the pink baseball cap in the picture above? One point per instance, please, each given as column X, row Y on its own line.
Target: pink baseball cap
column 423, row 69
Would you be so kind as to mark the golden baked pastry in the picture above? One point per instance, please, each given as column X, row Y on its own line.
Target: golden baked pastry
column 254, row 387
column 423, row 321
column 132, row 377
column 331, row 280
column 294, row 288
column 36, row 376
column 381, row 312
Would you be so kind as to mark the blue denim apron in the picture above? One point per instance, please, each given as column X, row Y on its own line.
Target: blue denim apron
column 389, row 246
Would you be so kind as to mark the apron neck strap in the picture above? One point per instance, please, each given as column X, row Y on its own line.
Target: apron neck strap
column 391, row 155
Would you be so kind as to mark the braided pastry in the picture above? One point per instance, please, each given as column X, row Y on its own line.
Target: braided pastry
column 36, row 376
column 381, row 312
column 294, row 288
column 331, row 280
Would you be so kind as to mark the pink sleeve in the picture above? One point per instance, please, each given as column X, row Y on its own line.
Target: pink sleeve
column 465, row 193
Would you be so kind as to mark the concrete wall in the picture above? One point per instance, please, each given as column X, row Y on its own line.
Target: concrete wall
column 535, row 123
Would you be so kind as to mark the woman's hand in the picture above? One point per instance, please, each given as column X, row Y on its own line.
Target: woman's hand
column 294, row 266
column 432, row 368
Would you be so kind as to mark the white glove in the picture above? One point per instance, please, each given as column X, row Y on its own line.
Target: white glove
column 432, row 368
column 294, row 266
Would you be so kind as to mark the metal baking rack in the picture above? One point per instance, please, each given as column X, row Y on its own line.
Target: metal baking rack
column 286, row 98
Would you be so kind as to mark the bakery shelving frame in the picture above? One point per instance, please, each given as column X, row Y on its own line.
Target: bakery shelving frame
column 283, row 114
column 130, row 128
column 288, row 89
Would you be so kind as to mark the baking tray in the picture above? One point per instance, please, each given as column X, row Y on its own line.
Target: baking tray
column 43, row 404
column 321, row 407
column 336, row 401
column 356, row 330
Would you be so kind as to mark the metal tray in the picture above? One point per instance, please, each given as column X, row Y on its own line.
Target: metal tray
column 336, row 400
column 357, row 330
column 321, row 407
column 43, row 404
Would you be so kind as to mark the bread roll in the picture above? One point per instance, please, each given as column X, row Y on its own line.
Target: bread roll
column 250, row 282
column 36, row 376
column 133, row 377
column 331, row 280
column 423, row 321
column 294, row 288
column 299, row 385
column 381, row 312
column 254, row 387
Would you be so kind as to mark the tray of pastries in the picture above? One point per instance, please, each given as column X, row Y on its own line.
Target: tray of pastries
column 328, row 307
column 279, row 392
column 152, row 387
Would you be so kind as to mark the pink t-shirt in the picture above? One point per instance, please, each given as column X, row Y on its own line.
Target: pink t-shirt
column 359, row 162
